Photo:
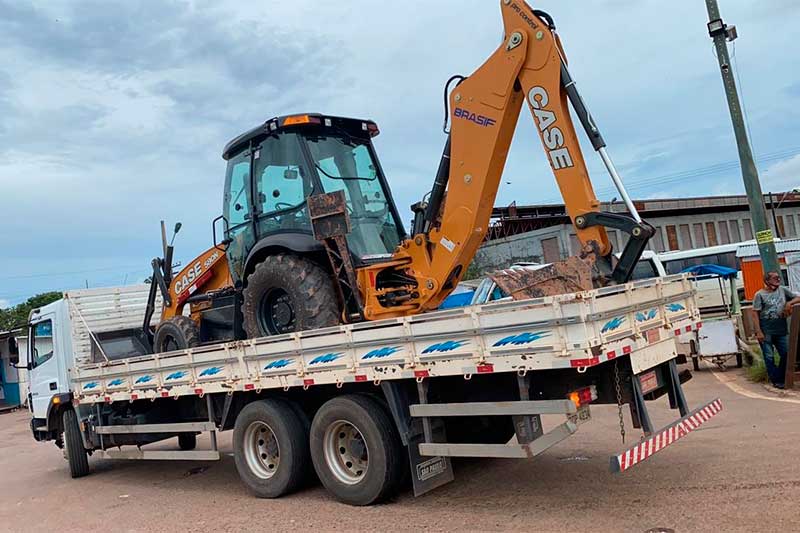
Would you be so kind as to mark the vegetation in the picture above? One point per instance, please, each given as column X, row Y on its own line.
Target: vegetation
column 17, row 316
column 756, row 370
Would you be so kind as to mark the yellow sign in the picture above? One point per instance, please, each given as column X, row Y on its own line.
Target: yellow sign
column 763, row 237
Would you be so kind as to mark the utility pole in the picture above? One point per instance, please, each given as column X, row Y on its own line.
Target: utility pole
column 721, row 33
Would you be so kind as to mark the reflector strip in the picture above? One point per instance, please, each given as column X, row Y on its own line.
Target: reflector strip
column 249, row 386
column 591, row 361
column 663, row 438
column 611, row 355
column 165, row 394
column 699, row 325
column 626, row 349
column 361, row 377
column 308, row 382
column 485, row 369
column 198, row 391
column 134, row 397
column 421, row 373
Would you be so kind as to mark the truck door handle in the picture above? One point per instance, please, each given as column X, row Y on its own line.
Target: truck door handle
column 53, row 385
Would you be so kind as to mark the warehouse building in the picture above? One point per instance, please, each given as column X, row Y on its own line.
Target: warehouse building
column 543, row 233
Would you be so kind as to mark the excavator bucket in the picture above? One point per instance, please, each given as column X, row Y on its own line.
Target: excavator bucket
column 571, row 275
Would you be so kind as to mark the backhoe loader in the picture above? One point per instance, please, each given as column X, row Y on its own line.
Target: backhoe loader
column 312, row 237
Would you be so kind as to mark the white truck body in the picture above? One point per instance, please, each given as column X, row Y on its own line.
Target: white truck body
column 567, row 331
column 584, row 347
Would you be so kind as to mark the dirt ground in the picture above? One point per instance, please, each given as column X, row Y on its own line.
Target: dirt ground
column 738, row 472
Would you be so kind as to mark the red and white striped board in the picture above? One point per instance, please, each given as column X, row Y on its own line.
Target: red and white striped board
column 664, row 437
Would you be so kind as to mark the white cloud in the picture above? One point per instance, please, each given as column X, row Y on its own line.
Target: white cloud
column 782, row 176
column 114, row 118
column 4, row 304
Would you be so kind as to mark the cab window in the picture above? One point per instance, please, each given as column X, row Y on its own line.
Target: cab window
column 41, row 339
column 644, row 269
column 237, row 193
column 281, row 179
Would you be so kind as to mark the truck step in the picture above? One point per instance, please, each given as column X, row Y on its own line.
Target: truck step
column 182, row 427
column 531, row 407
column 505, row 451
column 167, row 455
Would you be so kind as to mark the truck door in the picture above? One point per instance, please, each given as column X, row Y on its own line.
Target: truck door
column 43, row 363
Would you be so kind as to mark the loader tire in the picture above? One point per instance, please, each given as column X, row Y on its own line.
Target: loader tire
column 286, row 293
column 177, row 333
column 73, row 443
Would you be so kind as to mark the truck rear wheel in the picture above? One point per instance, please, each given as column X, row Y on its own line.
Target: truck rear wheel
column 270, row 448
column 177, row 333
column 73, row 445
column 286, row 293
column 356, row 450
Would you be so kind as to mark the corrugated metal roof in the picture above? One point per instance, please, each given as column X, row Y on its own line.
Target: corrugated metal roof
column 751, row 250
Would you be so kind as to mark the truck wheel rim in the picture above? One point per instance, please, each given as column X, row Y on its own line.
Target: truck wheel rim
column 261, row 450
column 346, row 452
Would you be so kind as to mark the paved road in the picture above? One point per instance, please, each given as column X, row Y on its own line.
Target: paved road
column 739, row 472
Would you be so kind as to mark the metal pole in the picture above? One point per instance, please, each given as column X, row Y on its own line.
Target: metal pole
column 721, row 33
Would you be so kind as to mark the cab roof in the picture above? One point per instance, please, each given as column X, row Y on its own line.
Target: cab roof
column 301, row 122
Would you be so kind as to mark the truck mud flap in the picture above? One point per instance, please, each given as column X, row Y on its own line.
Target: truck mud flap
column 428, row 473
column 664, row 437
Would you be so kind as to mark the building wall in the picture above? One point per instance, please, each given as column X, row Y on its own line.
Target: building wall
column 10, row 392
column 523, row 247
column 690, row 231
column 717, row 228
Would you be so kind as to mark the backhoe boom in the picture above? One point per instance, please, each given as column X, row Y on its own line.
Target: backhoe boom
column 529, row 66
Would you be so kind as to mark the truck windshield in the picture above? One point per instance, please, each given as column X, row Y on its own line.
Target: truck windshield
column 346, row 164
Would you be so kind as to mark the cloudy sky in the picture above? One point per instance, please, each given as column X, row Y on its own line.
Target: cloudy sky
column 114, row 115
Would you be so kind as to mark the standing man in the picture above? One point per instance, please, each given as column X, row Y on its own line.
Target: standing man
column 770, row 308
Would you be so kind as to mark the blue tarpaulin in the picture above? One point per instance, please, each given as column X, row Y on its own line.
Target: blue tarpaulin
column 717, row 270
column 457, row 299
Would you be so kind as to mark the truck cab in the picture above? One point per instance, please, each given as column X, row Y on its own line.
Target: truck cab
column 48, row 359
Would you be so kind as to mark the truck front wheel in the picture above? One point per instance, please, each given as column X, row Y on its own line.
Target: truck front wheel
column 270, row 448
column 73, row 444
column 356, row 450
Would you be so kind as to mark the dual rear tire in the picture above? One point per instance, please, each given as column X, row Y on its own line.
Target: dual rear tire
column 352, row 444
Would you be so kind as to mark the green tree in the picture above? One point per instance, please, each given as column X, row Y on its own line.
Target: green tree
column 17, row 316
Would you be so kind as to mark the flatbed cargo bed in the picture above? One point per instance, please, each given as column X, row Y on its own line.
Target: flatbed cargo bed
column 638, row 320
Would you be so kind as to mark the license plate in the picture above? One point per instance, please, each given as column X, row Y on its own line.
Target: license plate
column 581, row 415
column 649, row 381
column 653, row 335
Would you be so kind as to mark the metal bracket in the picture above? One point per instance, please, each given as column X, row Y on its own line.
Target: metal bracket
column 331, row 224
column 640, row 233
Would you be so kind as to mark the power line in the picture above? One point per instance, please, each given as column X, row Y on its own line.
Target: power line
column 61, row 274
column 690, row 174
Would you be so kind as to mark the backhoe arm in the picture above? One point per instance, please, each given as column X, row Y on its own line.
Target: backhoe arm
column 529, row 66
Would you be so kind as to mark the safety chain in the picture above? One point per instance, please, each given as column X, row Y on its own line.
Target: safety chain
column 619, row 401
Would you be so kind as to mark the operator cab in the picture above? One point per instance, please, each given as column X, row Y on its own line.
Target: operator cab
column 272, row 170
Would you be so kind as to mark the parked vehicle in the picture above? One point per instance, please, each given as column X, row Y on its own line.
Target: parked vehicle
column 361, row 404
column 718, row 340
column 709, row 297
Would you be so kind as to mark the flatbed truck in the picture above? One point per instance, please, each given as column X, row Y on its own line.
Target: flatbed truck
column 363, row 406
